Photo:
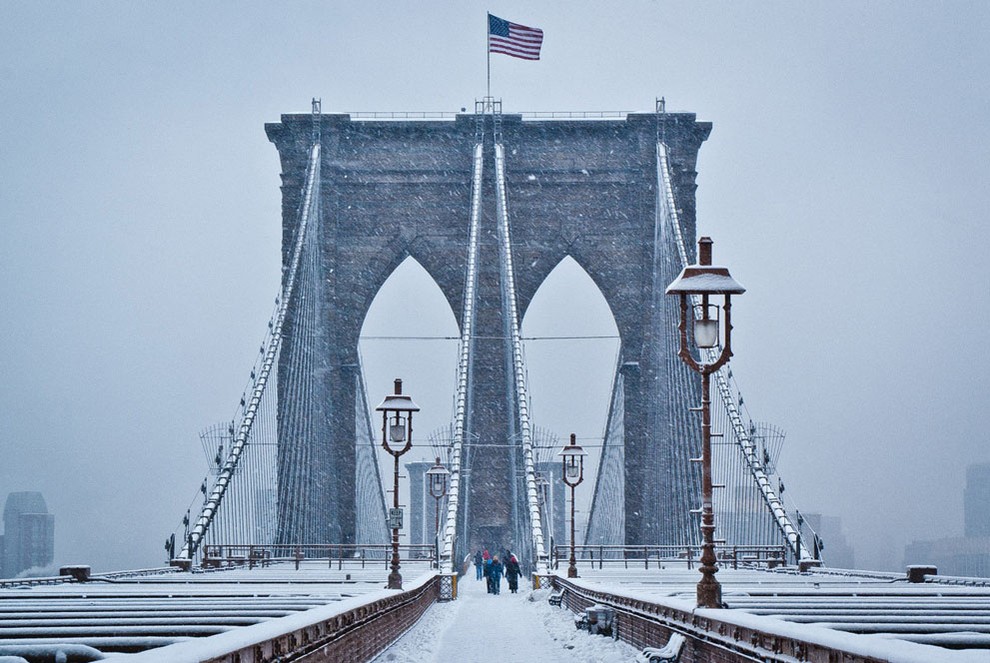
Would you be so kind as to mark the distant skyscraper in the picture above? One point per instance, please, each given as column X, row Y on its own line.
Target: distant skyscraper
column 976, row 500
column 968, row 555
column 29, row 534
column 554, row 503
column 836, row 551
column 421, row 504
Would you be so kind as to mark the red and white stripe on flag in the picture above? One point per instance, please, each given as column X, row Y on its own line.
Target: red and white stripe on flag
column 513, row 39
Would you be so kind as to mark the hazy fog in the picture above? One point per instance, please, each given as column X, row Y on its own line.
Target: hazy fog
column 845, row 184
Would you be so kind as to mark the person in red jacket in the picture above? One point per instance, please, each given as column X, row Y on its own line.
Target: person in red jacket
column 512, row 573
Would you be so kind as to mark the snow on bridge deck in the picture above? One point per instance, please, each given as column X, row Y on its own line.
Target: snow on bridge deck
column 509, row 628
column 132, row 614
column 870, row 615
column 878, row 614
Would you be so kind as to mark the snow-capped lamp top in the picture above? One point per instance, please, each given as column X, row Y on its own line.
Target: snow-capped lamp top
column 397, row 402
column 437, row 476
column 573, row 449
column 573, row 457
column 397, row 412
column 704, row 278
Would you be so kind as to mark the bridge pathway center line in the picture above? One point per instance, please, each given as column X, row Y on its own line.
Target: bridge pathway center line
column 508, row 628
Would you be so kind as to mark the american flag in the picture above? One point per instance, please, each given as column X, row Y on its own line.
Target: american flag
column 513, row 39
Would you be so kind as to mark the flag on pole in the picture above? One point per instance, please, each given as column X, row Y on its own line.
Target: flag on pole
column 513, row 39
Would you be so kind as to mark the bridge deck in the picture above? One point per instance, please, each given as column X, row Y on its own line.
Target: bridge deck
column 134, row 614
column 868, row 616
column 874, row 614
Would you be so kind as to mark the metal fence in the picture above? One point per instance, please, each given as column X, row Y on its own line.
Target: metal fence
column 353, row 555
column 658, row 556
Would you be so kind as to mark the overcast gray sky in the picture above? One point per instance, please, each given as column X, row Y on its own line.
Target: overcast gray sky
column 845, row 184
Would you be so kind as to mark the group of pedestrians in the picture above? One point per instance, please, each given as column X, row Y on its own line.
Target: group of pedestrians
column 492, row 569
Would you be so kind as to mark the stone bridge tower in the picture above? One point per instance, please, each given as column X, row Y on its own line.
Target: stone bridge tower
column 577, row 187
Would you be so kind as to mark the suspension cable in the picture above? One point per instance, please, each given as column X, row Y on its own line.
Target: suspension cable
column 309, row 209
column 518, row 363
column 770, row 497
column 465, row 353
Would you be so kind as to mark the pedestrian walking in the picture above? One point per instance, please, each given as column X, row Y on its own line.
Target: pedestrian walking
column 512, row 573
column 488, row 575
column 495, row 574
column 479, row 562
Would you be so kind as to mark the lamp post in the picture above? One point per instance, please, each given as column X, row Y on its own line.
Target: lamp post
column 573, row 457
column 397, row 411
column 437, row 477
column 700, row 283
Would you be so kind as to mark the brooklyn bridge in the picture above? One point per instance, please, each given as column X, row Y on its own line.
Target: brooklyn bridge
column 300, row 525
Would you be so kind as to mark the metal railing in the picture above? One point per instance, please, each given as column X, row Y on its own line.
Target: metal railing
column 575, row 115
column 403, row 115
column 724, row 635
column 356, row 634
column 662, row 555
column 526, row 115
column 353, row 554
column 13, row 583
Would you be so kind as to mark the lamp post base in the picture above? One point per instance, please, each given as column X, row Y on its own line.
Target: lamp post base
column 394, row 580
column 709, row 589
column 709, row 592
column 572, row 571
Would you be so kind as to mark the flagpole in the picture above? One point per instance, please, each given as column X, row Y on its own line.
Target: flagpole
column 488, row 51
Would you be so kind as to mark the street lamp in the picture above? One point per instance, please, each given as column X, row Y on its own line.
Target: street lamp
column 699, row 283
column 573, row 457
column 396, row 412
column 437, row 477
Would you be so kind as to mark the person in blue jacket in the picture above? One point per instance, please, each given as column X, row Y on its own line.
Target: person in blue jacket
column 488, row 574
column 495, row 575
column 479, row 563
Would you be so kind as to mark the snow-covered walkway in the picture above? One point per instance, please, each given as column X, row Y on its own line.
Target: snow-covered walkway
column 509, row 628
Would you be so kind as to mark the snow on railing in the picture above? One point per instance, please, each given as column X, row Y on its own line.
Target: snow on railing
column 463, row 370
column 525, row 115
column 741, row 434
column 308, row 209
column 519, row 364
column 403, row 115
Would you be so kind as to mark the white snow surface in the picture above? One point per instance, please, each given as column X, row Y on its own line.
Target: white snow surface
column 517, row 627
column 508, row 628
column 674, row 587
